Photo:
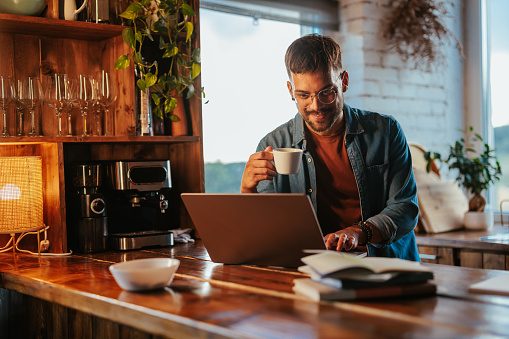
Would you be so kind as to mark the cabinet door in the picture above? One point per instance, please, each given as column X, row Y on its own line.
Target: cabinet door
column 442, row 255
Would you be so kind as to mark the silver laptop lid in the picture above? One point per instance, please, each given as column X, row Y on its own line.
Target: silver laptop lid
column 255, row 229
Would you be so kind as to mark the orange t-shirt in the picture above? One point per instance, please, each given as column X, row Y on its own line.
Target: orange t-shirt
column 338, row 202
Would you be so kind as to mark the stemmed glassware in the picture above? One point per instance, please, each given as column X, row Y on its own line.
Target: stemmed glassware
column 6, row 98
column 95, row 106
column 85, row 96
column 73, row 89
column 57, row 96
column 107, row 96
column 29, row 95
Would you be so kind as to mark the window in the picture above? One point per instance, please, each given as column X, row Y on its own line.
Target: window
column 497, row 117
column 244, row 77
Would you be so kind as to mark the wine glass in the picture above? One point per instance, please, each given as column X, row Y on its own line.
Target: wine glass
column 6, row 98
column 57, row 96
column 85, row 96
column 29, row 95
column 107, row 96
column 95, row 106
column 73, row 94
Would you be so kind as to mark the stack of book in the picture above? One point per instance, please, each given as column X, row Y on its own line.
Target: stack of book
column 342, row 276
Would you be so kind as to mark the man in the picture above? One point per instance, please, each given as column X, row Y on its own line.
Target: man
column 356, row 164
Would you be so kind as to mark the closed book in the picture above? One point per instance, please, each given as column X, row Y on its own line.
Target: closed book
column 497, row 285
column 367, row 280
column 333, row 264
column 317, row 291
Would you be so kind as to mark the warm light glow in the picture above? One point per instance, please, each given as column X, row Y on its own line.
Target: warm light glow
column 10, row 192
column 21, row 200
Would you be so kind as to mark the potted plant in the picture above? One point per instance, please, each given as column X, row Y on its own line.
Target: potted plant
column 167, row 22
column 476, row 171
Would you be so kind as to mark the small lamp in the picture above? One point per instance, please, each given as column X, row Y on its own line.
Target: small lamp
column 21, row 202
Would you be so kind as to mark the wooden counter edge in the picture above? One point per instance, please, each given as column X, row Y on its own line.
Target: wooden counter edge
column 141, row 318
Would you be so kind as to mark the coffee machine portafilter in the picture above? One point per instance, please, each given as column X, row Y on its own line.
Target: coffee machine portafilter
column 139, row 212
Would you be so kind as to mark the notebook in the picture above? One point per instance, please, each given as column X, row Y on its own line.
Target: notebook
column 255, row 229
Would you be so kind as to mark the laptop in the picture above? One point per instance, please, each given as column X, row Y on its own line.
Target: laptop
column 255, row 229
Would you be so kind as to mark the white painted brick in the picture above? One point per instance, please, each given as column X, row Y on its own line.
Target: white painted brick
column 352, row 11
column 431, row 93
column 372, row 58
column 375, row 11
column 380, row 73
column 427, row 104
column 354, row 26
column 391, row 60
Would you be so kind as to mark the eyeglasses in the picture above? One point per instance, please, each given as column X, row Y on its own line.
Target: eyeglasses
column 325, row 96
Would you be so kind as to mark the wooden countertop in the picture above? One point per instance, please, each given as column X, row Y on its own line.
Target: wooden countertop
column 214, row 300
column 466, row 239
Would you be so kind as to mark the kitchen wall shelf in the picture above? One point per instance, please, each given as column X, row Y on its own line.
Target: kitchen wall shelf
column 46, row 45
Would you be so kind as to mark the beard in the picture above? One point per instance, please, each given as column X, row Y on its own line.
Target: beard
column 328, row 116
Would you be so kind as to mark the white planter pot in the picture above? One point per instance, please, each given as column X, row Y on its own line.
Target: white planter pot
column 478, row 220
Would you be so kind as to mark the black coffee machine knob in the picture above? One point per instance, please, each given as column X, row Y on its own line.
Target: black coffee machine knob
column 98, row 206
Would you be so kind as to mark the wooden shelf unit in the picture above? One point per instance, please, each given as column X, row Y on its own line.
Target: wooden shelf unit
column 46, row 45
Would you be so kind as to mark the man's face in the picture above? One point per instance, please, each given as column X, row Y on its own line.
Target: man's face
column 321, row 118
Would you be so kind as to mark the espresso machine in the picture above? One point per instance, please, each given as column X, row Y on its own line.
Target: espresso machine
column 139, row 211
column 87, row 219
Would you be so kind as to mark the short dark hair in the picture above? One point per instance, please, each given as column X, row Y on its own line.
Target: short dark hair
column 312, row 53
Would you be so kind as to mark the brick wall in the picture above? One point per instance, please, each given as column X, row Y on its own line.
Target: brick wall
column 429, row 105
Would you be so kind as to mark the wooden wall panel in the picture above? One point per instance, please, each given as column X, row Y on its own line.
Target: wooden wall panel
column 432, row 251
column 6, row 54
column 123, row 111
column 54, row 195
column 24, row 316
column 445, row 256
column 26, row 50
column 471, row 259
column 7, row 69
column 494, row 261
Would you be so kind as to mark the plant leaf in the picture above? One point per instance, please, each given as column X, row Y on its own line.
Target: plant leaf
column 128, row 37
column 141, row 84
column 160, row 26
column 189, row 29
column 122, row 62
column 149, row 35
column 162, row 43
column 190, row 91
column 155, row 99
column 187, row 10
column 171, row 50
column 197, row 55
column 196, row 70
column 138, row 37
column 135, row 7
column 150, row 79
column 169, row 105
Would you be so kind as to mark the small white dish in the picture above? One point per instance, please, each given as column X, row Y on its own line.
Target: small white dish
column 144, row 274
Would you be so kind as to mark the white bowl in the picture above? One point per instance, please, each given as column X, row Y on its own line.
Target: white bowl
column 144, row 274
column 478, row 221
column 22, row 7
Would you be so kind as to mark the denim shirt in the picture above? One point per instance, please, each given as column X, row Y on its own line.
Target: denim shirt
column 382, row 165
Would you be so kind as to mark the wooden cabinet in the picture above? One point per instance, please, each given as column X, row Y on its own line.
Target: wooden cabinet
column 45, row 45
column 465, row 248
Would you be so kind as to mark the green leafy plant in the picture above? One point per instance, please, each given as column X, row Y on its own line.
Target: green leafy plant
column 168, row 21
column 476, row 170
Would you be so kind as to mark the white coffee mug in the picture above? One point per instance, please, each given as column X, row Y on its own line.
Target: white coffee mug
column 287, row 160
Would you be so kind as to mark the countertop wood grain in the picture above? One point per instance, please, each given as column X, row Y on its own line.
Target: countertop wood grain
column 207, row 299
